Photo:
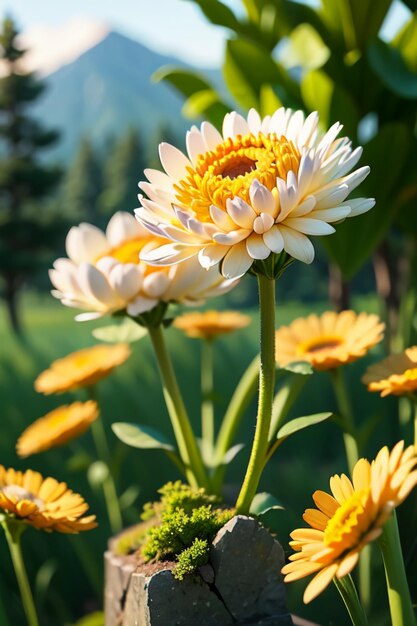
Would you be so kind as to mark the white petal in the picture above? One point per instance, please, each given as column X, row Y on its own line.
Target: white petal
column 257, row 248
column 297, row 245
column 308, row 131
column 254, row 121
column 287, row 198
column 155, row 284
column 348, row 163
column 221, row 218
column 279, row 121
column 335, row 214
column 274, row 240
column 236, row 262
column 211, row 255
column 157, row 194
column 309, row 226
column 305, row 173
column 295, row 126
column 361, row 205
column 141, row 305
column 159, row 179
column 234, row 124
column 122, row 227
column 126, row 279
column 355, row 178
column 169, row 254
column 331, row 196
column 195, row 144
column 231, row 238
column 305, row 207
column 262, row 223
column 211, row 135
column 84, row 243
column 87, row 317
column 174, row 162
column 240, row 212
column 95, row 285
column 262, row 199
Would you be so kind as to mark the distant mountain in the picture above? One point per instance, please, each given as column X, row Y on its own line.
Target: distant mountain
column 107, row 89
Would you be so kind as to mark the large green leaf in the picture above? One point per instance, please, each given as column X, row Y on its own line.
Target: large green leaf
column 127, row 331
column 264, row 502
column 218, row 13
column 305, row 48
column 406, row 42
column 202, row 98
column 331, row 101
column 248, row 67
column 140, row 436
column 356, row 239
column 392, row 70
column 300, row 423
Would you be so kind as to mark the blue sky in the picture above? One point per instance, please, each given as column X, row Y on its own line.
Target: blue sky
column 170, row 26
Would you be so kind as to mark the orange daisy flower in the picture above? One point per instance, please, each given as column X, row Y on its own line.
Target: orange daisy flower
column 397, row 374
column 350, row 517
column 210, row 324
column 329, row 340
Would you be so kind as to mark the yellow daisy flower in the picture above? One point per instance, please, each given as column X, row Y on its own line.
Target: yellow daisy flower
column 82, row 368
column 209, row 324
column 351, row 517
column 57, row 427
column 397, row 374
column 329, row 340
column 43, row 503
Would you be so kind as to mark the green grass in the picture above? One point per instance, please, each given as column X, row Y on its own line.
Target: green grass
column 133, row 393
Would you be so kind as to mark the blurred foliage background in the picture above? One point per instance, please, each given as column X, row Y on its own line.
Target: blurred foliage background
column 329, row 57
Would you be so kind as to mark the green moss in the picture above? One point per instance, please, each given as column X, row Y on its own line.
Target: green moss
column 181, row 526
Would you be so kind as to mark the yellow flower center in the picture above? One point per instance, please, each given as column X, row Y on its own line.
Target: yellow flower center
column 19, row 494
column 345, row 528
column 319, row 344
column 230, row 169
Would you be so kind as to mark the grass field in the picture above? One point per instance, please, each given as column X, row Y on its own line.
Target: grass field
column 133, row 393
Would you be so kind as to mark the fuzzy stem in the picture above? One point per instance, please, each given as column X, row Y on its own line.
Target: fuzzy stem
column 347, row 590
column 187, row 445
column 266, row 288
column 207, row 388
column 346, row 413
column 402, row 613
column 13, row 531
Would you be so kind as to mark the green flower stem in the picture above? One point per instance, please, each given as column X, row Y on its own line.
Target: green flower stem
column 207, row 389
column 402, row 613
column 13, row 531
column 346, row 413
column 103, row 453
column 238, row 404
column 266, row 394
column 187, row 445
column 347, row 590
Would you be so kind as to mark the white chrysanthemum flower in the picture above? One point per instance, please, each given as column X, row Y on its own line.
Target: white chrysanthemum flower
column 262, row 187
column 103, row 272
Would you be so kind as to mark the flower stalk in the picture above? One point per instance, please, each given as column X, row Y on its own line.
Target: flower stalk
column 187, row 445
column 346, row 413
column 207, row 389
column 347, row 590
column 13, row 531
column 401, row 608
column 259, row 451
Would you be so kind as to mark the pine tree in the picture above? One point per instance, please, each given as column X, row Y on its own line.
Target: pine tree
column 122, row 171
column 25, row 230
column 83, row 183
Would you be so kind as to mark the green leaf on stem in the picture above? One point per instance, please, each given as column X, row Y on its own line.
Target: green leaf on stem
column 140, row 436
column 299, row 367
column 305, row 49
column 128, row 332
column 299, row 423
column 264, row 502
column 390, row 67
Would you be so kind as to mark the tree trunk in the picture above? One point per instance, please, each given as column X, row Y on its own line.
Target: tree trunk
column 338, row 289
column 11, row 297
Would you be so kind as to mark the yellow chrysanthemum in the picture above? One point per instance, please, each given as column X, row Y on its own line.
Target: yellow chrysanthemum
column 43, row 503
column 57, row 427
column 329, row 340
column 209, row 324
column 351, row 517
column 82, row 368
column 397, row 374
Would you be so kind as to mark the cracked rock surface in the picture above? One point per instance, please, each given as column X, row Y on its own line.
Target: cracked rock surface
column 241, row 585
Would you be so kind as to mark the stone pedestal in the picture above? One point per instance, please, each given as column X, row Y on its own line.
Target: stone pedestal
column 241, row 585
